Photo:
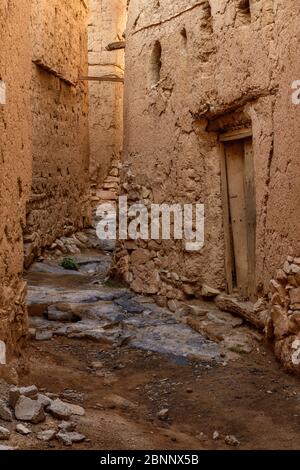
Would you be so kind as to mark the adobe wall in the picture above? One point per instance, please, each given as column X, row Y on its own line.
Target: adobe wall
column 15, row 173
column 59, row 200
column 106, row 25
column 218, row 66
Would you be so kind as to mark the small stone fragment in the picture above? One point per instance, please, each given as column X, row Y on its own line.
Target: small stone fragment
column 52, row 396
column 46, row 436
column 21, row 429
column 295, row 269
column 4, row 434
column 173, row 305
column 287, row 267
column 59, row 409
column 5, row 412
column 216, row 435
column 43, row 335
column 116, row 401
column 207, row 291
column 232, row 441
column 68, row 438
column 163, row 414
column 97, row 365
column 67, row 426
column 16, row 392
column 295, row 296
column 76, row 409
column 31, row 333
column 44, row 400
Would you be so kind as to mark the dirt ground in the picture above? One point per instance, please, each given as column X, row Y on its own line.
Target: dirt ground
column 251, row 398
column 124, row 383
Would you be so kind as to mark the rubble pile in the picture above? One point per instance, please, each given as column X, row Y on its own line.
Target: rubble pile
column 29, row 412
column 285, row 311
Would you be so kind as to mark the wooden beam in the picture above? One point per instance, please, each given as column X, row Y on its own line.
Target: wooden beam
column 85, row 4
column 228, row 303
column 53, row 72
column 104, row 78
column 114, row 46
column 236, row 135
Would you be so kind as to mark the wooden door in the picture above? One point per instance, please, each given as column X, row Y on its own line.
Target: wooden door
column 241, row 215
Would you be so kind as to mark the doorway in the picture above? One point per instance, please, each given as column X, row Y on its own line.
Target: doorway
column 239, row 206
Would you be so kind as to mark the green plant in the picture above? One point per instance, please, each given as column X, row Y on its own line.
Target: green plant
column 70, row 264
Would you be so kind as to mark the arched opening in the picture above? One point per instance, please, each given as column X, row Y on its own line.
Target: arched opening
column 155, row 64
column 207, row 16
column 183, row 34
column 244, row 11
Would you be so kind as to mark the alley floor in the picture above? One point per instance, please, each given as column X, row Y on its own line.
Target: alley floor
column 144, row 378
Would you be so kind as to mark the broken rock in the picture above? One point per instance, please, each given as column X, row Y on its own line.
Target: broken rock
column 207, row 291
column 59, row 409
column 69, row 438
column 295, row 296
column 16, row 392
column 5, row 412
column 76, row 409
column 44, row 400
column 163, row 414
column 43, row 335
column 194, row 310
column 46, row 436
column 67, row 426
column 232, row 441
column 239, row 343
column 116, row 401
column 4, row 434
column 21, row 429
column 30, row 410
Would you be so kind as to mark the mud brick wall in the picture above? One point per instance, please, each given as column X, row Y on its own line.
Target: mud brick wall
column 15, row 173
column 106, row 25
column 59, row 200
column 219, row 61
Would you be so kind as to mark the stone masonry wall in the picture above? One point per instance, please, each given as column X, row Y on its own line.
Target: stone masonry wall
column 60, row 188
column 218, row 62
column 106, row 25
column 15, row 173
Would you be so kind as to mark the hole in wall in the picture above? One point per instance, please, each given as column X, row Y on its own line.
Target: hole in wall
column 183, row 34
column 20, row 188
column 155, row 64
column 243, row 11
column 207, row 16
